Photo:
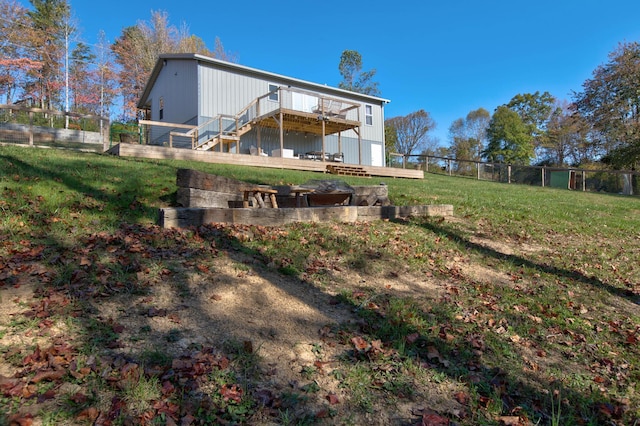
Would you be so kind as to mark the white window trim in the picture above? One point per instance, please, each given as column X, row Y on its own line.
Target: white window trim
column 370, row 107
column 277, row 93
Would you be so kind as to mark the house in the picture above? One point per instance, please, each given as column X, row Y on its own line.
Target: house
column 197, row 102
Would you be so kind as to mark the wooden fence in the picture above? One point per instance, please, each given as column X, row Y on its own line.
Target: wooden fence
column 38, row 126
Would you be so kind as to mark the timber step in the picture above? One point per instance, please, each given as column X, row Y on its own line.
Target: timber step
column 347, row 170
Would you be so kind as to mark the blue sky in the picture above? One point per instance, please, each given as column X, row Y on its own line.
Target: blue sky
column 446, row 57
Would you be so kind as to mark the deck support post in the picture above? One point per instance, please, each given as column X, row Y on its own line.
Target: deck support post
column 323, row 137
column 259, row 137
column 359, row 146
column 281, row 131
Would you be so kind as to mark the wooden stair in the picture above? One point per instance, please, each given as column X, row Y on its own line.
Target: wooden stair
column 213, row 142
column 347, row 170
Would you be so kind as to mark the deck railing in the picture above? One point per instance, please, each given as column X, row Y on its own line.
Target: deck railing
column 298, row 100
column 219, row 126
column 223, row 125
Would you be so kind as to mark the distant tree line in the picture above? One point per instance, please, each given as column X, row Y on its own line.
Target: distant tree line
column 599, row 127
column 43, row 62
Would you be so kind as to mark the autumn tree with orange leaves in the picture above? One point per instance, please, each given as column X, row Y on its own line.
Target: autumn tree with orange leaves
column 138, row 48
column 16, row 63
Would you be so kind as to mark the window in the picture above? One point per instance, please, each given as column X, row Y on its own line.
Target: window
column 368, row 115
column 161, row 108
column 273, row 92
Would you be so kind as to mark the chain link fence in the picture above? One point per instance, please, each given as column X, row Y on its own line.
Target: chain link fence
column 625, row 182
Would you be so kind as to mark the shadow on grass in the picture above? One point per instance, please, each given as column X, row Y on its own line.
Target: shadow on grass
column 102, row 282
column 560, row 273
column 77, row 176
column 215, row 382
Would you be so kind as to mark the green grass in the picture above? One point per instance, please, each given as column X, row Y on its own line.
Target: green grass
column 536, row 313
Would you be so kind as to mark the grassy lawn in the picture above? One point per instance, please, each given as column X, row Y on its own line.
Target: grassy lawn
column 522, row 309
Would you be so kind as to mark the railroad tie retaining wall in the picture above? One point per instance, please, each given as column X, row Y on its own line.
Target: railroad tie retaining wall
column 188, row 217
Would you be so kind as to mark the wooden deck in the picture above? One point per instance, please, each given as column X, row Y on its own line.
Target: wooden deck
column 158, row 152
column 299, row 121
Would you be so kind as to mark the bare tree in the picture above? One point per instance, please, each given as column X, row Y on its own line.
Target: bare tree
column 411, row 131
column 468, row 135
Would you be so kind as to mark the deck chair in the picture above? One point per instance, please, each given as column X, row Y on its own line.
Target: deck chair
column 255, row 151
column 323, row 106
column 335, row 108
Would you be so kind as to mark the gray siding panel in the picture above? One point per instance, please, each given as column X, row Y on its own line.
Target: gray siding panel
column 225, row 92
column 178, row 88
column 195, row 90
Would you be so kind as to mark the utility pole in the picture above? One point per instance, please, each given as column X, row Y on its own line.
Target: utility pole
column 66, row 75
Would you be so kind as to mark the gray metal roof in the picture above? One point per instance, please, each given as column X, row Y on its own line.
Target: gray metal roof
column 251, row 71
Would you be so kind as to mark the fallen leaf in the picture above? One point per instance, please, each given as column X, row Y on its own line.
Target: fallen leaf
column 79, row 398
column 117, row 328
column 319, row 364
column 29, row 391
column 413, row 337
column 461, row 397
column 333, row 399
column 484, row 401
column 187, row 420
column 233, row 393
column 322, row 414
column 153, row 312
column 52, row 375
column 167, row 388
column 50, row 394
column 359, row 343
column 599, row 379
column 21, row 420
column 88, row 414
column 509, row 420
column 430, row 418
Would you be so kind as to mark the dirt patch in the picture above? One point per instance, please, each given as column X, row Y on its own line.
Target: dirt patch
column 235, row 298
column 278, row 317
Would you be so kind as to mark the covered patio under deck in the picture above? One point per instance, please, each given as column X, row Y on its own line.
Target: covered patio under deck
column 305, row 112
